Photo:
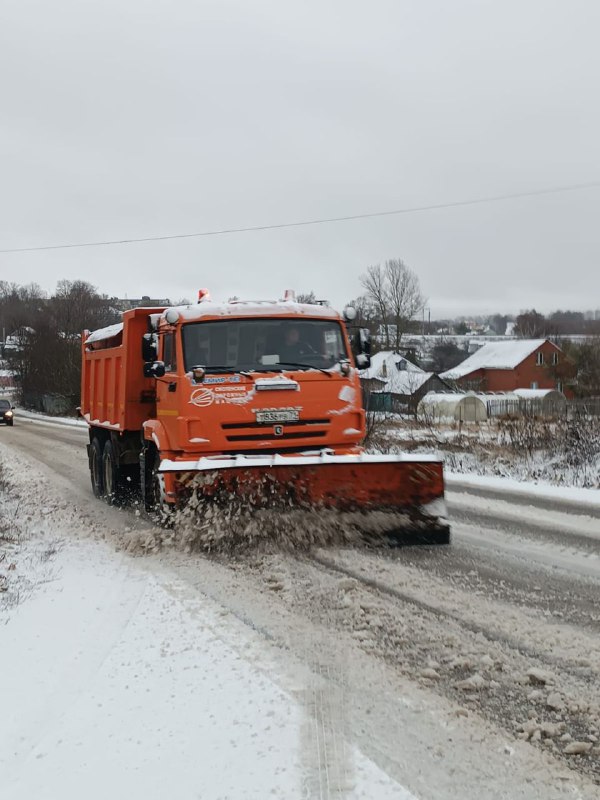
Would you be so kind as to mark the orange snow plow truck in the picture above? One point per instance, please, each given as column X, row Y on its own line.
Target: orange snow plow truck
column 258, row 402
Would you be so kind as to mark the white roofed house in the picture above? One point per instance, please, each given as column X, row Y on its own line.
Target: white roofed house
column 393, row 383
column 517, row 364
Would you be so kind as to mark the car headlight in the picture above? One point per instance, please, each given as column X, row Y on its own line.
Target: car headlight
column 8, row 414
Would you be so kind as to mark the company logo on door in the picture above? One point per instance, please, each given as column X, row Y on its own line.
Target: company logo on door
column 220, row 394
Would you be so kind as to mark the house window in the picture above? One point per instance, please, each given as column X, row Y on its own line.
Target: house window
column 539, row 360
column 534, row 385
column 554, row 358
column 559, row 386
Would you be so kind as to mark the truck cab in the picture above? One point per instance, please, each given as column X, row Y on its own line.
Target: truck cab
column 254, row 377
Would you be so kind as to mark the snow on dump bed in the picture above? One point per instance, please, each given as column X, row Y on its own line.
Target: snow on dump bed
column 105, row 333
column 495, row 355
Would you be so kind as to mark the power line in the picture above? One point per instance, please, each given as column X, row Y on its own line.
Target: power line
column 325, row 221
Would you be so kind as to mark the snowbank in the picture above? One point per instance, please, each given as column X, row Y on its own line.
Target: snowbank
column 586, row 498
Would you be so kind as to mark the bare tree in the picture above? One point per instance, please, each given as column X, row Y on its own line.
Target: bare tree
column 20, row 306
column 366, row 312
column 532, row 325
column 395, row 292
column 374, row 283
column 306, row 297
column 405, row 298
column 77, row 305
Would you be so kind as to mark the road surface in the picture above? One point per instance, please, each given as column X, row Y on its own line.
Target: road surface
column 464, row 671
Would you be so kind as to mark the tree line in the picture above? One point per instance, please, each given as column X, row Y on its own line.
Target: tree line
column 533, row 325
column 48, row 327
column 41, row 334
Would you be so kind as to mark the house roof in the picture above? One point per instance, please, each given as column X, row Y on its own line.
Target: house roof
column 495, row 355
column 535, row 394
column 406, row 382
column 390, row 359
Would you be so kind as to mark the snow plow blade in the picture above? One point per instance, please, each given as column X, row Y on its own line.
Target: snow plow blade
column 400, row 498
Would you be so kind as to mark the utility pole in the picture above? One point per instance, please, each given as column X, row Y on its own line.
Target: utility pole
column 429, row 318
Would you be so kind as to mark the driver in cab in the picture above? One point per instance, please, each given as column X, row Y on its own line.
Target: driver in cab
column 294, row 349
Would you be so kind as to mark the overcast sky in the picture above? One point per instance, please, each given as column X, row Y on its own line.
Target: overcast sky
column 135, row 118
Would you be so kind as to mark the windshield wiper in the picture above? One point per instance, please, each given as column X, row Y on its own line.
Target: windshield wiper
column 302, row 366
column 209, row 368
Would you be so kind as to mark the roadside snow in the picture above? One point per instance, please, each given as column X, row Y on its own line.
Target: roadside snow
column 125, row 683
column 113, row 688
column 586, row 498
column 36, row 416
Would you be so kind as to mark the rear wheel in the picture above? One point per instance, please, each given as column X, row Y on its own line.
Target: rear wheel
column 113, row 490
column 96, row 473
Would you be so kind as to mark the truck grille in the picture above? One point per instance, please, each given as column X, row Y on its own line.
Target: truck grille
column 268, row 434
column 307, row 430
column 228, row 426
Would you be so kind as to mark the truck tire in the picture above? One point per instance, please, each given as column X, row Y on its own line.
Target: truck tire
column 158, row 502
column 111, row 474
column 96, row 475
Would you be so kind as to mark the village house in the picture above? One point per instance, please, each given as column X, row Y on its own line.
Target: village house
column 517, row 364
column 393, row 383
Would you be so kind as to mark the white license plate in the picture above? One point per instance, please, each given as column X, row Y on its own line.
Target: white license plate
column 277, row 416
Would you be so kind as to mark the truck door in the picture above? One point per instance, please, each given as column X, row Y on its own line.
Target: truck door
column 168, row 389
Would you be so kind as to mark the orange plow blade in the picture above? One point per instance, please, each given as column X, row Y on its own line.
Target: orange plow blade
column 401, row 497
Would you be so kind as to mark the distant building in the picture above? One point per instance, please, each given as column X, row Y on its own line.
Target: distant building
column 393, row 383
column 516, row 364
column 125, row 304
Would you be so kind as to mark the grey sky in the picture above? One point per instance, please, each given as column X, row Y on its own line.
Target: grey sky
column 124, row 119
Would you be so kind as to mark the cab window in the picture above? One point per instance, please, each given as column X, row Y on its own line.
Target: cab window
column 169, row 352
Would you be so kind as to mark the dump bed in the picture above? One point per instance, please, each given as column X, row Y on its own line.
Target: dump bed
column 114, row 392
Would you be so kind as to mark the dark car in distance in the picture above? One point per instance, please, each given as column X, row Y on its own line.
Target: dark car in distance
column 6, row 412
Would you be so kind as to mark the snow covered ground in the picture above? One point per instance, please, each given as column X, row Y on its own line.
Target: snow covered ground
column 522, row 450
column 348, row 675
column 119, row 683
column 37, row 416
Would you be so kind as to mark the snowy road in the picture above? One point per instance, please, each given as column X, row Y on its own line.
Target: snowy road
column 432, row 673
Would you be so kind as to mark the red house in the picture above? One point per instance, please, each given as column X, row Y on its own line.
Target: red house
column 516, row 364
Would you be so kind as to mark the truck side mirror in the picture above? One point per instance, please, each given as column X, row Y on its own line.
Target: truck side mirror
column 361, row 342
column 361, row 347
column 149, row 347
column 154, row 369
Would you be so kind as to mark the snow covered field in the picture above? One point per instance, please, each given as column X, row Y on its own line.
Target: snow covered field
column 563, row 454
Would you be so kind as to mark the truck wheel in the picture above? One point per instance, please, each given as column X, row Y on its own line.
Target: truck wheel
column 111, row 474
column 159, row 505
column 96, row 475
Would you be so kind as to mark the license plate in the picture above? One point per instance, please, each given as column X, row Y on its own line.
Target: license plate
column 277, row 416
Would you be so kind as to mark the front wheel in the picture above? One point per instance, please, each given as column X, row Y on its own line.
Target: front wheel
column 158, row 495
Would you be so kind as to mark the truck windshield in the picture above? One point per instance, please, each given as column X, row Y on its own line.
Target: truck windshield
column 265, row 345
